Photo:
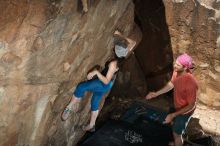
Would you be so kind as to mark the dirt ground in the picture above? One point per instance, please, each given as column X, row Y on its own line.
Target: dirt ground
column 205, row 120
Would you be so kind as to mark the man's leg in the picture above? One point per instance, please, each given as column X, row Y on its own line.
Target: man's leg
column 177, row 139
column 179, row 125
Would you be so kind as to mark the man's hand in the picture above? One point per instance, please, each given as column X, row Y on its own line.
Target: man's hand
column 151, row 95
column 91, row 74
column 169, row 118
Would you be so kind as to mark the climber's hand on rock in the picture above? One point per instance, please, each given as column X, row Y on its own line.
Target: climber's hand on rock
column 91, row 74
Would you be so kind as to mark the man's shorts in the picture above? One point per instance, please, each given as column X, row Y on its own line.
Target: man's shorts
column 180, row 123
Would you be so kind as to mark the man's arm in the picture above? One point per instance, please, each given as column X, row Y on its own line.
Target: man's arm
column 182, row 111
column 185, row 109
column 165, row 89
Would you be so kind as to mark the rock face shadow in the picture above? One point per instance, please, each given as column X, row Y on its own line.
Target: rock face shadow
column 154, row 53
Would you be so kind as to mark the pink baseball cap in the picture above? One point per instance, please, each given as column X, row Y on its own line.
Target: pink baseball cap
column 185, row 60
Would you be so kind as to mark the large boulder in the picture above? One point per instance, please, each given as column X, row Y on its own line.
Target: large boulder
column 172, row 27
column 46, row 48
column 194, row 28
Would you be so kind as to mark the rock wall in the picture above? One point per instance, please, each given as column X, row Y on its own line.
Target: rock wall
column 194, row 28
column 46, row 48
column 154, row 53
column 171, row 27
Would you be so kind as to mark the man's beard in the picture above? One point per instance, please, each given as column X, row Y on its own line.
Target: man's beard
column 179, row 70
